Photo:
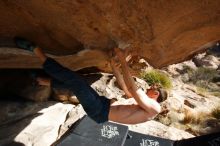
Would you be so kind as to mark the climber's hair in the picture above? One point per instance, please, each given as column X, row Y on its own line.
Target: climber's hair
column 163, row 94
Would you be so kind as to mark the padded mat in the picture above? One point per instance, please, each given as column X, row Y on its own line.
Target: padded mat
column 88, row 132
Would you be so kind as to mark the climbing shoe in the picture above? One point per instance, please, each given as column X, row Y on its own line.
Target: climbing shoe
column 24, row 44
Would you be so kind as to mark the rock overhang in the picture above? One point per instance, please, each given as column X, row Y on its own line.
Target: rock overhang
column 161, row 32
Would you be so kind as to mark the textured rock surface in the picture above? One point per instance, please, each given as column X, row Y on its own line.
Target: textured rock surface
column 162, row 32
column 33, row 123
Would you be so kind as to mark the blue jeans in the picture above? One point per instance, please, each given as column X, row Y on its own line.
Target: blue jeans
column 96, row 107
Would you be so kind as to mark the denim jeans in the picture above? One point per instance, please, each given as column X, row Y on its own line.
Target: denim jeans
column 96, row 107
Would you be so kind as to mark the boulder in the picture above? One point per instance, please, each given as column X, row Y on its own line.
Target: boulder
column 208, row 61
column 38, row 124
column 160, row 130
column 161, row 32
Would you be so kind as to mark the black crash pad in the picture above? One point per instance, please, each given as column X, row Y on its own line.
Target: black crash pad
column 204, row 140
column 138, row 139
column 88, row 133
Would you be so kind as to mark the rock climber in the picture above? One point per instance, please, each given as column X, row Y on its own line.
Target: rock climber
column 99, row 108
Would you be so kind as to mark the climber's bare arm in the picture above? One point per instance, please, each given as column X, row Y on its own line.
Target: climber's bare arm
column 149, row 105
column 132, row 114
column 119, row 78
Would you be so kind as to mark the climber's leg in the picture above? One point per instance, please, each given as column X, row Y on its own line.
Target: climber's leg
column 97, row 107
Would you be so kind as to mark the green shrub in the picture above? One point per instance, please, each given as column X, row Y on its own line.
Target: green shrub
column 157, row 77
column 202, row 73
column 202, row 76
column 187, row 69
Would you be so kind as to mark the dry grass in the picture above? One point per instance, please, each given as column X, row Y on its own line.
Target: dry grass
column 193, row 121
column 200, row 122
column 202, row 78
column 194, row 117
column 217, row 94
column 205, row 92
column 216, row 112
column 201, row 91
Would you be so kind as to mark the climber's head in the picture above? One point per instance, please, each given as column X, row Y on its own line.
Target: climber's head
column 157, row 93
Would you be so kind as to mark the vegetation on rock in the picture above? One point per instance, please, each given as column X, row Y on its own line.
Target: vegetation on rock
column 216, row 112
column 157, row 77
column 203, row 77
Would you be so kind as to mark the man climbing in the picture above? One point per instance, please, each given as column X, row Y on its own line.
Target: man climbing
column 98, row 107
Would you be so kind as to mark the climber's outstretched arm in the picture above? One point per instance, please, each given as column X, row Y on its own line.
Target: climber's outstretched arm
column 149, row 105
column 119, row 78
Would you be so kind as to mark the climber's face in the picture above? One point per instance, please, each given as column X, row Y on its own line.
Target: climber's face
column 153, row 93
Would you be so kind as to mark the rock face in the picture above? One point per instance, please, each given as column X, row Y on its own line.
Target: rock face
column 35, row 124
column 162, row 32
